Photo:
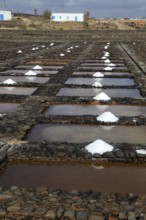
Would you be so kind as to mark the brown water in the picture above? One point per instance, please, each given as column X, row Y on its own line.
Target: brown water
column 44, row 67
column 15, row 71
column 103, row 81
column 28, row 79
column 17, row 90
column 116, row 178
column 121, row 93
column 87, row 133
column 118, row 110
column 105, row 73
column 8, row 107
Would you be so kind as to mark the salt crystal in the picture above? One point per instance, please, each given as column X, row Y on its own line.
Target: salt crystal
column 98, row 74
column 9, row 82
column 107, row 117
column 37, row 67
column 102, row 96
column 99, row 146
column 97, row 84
column 19, row 51
column 142, row 151
column 30, row 73
column 108, row 68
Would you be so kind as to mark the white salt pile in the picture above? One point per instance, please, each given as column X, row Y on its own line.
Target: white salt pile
column 19, row 51
column 108, row 68
column 102, row 96
column 103, row 58
column 107, row 117
column 108, row 43
column 76, row 46
column 43, row 46
column 111, row 64
column 9, row 82
column 142, row 151
column 30, row 73
column 107, row 61
column 52, row 44
column 37, row 67
column 62, row 54
column 36, row 48
column 68, row 51
column 97, row 84
column 98, row 74
column 99, row 147
column 33, row 48
column 106, row 47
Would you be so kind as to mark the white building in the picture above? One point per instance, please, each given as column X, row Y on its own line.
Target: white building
column 5, row 15
column 77, row 17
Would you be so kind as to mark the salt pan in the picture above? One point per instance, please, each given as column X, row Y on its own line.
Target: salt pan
column 102, row 96
column 107, row 117
column 99, row 146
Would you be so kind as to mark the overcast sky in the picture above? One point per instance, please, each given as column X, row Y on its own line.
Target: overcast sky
column 97, row 8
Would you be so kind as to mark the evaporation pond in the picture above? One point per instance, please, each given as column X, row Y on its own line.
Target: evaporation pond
column 118, row 110
column 22, row 79
column 17, row 90
column 87, row 133
column 121, row 93
column 80, row 73
column 101, row 67
column 113, row 178
column 100, row 64
column 8, row 107
column 44, row 67
column 19, row 71
column 102, row 81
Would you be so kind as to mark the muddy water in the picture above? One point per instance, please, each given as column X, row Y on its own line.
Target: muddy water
column 28, row 79
column 87, row 133
column 103, row 81
column 105, row 73
column 8, row 107
column 44, row 67
column 118, row 110
column 15, row 71
column 121, row 93
column 17, row 90
column 122, row 179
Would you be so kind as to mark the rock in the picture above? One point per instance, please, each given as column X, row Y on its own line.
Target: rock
column 3, row 156
column 81, row 215
column 95, row 216
column 40, row 211
column 69, row 214
column 2, row 212
column 91, row 207
column 108, row 155
column 120, row 154
column 131, row 216
column 122, row 216
column 51, row 215
column 27, row 210
column 14, row 208
column 14, row 188
column 60, row 213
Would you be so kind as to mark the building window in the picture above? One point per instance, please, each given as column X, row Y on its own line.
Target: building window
column 53, row 17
